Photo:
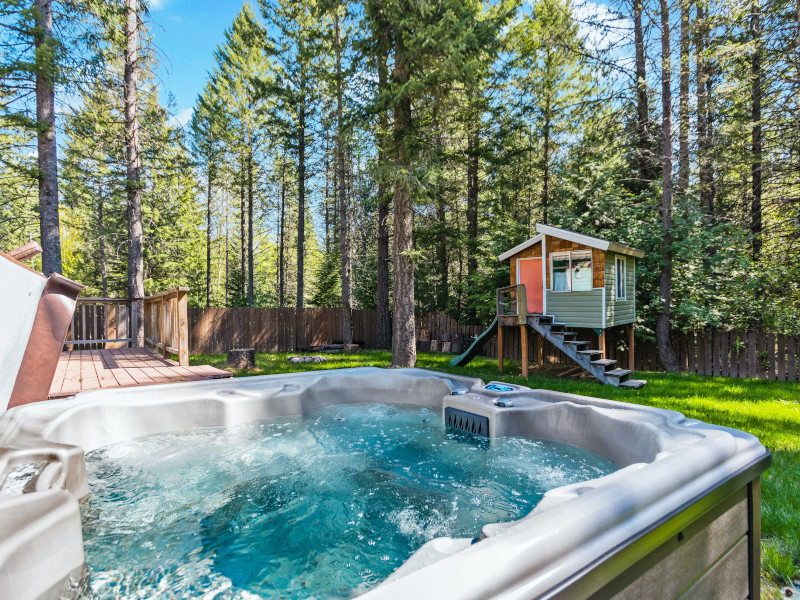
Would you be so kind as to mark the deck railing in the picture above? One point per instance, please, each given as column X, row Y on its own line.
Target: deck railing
column 111, row 322
column 166, row 324
column 100, row 323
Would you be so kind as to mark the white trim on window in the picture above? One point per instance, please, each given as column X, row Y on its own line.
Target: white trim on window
column 620, row 273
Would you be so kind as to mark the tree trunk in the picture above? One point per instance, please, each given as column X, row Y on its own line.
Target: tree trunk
column 301, row 197
column 443, row 296
column 703, row 138
column 404, row 351
column 756, row 225
column 281, row 266
column 344, row 233
column 383, row 329
column 47, row 148
column 227, row 255
column 546, row 160
column 208, row 235
column 683, row 104
column 327, row 194
column 645, row 156
column 101, row 235
column 665, row 350
column 250, row 293
column 243, row 226
column 133, row 164
column 472, row 212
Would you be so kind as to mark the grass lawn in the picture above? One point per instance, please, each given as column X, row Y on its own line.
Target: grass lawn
column 767, row 409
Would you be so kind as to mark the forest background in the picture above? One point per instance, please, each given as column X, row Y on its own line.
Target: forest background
column 382, row 154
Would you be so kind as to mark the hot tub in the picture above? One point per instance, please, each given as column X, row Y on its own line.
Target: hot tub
column 679, row 519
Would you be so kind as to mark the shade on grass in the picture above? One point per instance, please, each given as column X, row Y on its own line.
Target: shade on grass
column 767, row 409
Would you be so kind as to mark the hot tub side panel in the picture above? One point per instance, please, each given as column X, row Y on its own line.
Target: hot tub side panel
column 708, row 550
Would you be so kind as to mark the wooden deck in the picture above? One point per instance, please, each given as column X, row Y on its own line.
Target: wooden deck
column 84, row 370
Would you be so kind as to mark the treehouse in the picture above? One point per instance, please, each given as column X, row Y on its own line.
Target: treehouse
column 561, row 279
column 579, row 280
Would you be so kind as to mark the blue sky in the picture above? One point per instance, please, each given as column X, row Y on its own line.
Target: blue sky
column 187, row 32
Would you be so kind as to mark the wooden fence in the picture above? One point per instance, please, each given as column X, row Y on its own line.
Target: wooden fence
column 215, row 330
column 720, row 353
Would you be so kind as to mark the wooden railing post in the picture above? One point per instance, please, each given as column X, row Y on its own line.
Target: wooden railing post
column 134, row 322
column 183, row 327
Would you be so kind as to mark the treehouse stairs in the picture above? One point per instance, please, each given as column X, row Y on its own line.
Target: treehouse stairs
column 604, row 369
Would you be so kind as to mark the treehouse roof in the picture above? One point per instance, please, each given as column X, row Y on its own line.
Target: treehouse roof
column 578, row 238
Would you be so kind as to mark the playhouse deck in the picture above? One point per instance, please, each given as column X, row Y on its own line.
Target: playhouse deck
column 84, row 370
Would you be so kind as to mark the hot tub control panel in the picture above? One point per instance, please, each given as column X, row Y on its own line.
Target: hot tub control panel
column 499, row 387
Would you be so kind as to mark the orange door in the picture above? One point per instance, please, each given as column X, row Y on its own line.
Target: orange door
column 530, row 275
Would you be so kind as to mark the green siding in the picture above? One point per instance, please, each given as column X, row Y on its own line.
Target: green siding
column 577, row 309
column 619, row 312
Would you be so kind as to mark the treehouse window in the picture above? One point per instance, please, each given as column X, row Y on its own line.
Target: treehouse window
column 571, row 271
column 621, row 273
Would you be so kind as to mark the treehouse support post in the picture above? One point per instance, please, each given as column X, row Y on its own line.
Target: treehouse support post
column 540, row 350
column 631, row 355
column 523, row 333
column 499, row 348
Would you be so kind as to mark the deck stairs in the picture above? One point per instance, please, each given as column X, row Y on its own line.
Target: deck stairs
column 604, row 369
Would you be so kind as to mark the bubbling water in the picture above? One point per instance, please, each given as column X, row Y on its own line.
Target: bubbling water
column 325, row 505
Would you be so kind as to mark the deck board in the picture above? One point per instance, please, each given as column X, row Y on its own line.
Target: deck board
column 85, row 370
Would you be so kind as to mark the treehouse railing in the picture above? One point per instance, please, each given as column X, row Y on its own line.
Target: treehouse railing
column 512, row 300
column 166, row 324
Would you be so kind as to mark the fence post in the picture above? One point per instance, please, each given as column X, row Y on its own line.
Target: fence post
column 183, row 328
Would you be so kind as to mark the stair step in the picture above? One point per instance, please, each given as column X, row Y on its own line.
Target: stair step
column 590, row 352
column 633, row 384
column 557, row 326
column 618, row 373
column 564, row 334
column 576, row 343
column 604, row 362
column 544, row 319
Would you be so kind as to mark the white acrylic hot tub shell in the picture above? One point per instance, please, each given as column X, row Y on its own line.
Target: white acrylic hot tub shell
column 668, row 462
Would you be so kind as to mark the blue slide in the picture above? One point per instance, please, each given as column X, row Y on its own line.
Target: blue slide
column 475, row 347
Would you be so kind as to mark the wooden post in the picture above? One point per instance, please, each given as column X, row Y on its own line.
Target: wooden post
column 183, row 327
column 499, row 348
column 602, row 343
column 630, row 348
column 133, row 316
column 162, row 326
column 523, row 335
column 540, row 350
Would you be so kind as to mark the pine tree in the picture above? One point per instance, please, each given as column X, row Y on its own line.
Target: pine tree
column 293, row 35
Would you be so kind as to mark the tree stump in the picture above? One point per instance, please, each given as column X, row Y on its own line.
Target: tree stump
column 457, row 345
column 424, row 345
column 424, row 335
column 350, row 348
column 434, row 345
column 447, row 346
column 243, row 358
